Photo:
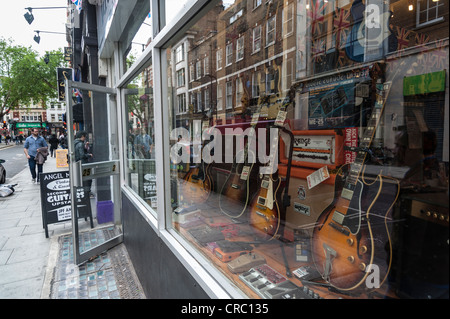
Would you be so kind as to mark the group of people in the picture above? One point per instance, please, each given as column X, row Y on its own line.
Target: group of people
column 18, row 139
column 36, row 150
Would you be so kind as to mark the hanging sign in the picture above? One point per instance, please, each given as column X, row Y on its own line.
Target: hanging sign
column 63, row 74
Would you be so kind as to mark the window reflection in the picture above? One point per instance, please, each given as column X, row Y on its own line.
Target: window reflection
column 140, row 137
column 359, row 92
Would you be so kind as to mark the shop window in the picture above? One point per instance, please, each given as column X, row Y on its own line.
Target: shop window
column 350, row 207
column 140, row 137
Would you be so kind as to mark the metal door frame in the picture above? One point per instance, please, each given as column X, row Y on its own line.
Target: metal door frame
column 77, row 174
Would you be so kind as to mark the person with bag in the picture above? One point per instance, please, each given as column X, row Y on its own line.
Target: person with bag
column 30, row 148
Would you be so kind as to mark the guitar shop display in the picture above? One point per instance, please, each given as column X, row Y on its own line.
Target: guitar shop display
column 352, row 235
column 264, row 215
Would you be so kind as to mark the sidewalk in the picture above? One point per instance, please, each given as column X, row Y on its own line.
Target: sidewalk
column 35, row 267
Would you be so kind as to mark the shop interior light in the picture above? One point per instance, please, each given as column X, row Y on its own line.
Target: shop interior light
column 410, row 7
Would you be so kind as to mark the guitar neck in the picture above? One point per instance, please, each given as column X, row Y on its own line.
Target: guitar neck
column 366, row 141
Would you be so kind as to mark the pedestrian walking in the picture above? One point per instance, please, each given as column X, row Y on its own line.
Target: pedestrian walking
column 82, row 154
column 30, row 148
column 53, row 145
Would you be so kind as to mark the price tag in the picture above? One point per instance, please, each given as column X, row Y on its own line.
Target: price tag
column 317, row 177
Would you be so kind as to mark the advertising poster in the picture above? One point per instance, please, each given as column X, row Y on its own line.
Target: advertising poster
column 56, row 201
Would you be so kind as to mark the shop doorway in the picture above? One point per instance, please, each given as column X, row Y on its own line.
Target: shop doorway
column 93, row 178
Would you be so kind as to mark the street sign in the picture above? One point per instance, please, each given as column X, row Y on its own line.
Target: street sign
column 56, row 201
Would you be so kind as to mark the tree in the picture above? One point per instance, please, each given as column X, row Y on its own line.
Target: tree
column 25, row 78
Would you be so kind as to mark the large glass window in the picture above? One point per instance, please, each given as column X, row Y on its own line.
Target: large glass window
column 318, row 165
column 140, row 136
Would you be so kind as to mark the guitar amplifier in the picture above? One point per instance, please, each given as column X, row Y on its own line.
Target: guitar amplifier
column 314, row 148
column 306, row 204
column 421, row 258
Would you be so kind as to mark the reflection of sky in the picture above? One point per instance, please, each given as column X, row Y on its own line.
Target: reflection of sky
column 228, row 3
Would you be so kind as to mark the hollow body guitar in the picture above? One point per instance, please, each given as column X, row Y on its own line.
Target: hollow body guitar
column 197, row 185
column 352, row 236
column 235, row 194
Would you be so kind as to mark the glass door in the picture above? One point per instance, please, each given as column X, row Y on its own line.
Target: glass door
column 93, row 159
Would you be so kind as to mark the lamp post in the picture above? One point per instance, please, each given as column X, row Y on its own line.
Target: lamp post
column 37, row 37
column 29, row 15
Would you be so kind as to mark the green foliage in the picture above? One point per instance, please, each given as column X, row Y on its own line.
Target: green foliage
column 25, row 78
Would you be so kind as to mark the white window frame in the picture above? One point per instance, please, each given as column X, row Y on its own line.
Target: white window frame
column 191, row 73
column 229, row 95
column 271, row 30
column 229, row 54
column 219, row 59
column 206, row 65
column 288, row 16
column 181, row 103
column 256, row 39
column 198, row 70
column 240, row 48
column 182, row 77
column 428, row 10
column 219, row 105
column 239, row 92
column 179, row 50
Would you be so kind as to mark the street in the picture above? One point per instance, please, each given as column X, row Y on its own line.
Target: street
column 15, row 160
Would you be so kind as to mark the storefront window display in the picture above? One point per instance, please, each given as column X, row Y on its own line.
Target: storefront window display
column 309, row 145
column 140, row 136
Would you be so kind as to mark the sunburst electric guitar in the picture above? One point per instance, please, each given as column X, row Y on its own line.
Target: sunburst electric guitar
column 264, row 213
column 197, row 185
column 352, row 236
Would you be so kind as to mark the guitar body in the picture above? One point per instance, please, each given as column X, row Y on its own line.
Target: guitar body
column 264, row 212
column 235, row 194
column 353, row 234
column 196, row 186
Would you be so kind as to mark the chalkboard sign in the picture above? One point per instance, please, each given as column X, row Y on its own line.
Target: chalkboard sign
column 55, row 199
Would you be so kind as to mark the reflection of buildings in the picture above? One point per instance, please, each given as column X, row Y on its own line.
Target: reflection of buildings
column 260, row 48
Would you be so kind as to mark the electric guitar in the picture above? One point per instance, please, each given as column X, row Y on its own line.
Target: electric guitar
column 234, row 196
column 264, row 213
column 352, row 235
column 197, row 184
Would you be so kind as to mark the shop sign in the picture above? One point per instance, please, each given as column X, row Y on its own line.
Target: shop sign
column 29, row 125
column 56, row 201
column 424, row 83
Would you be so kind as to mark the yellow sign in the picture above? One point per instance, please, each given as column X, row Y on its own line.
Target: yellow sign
column 61, row 158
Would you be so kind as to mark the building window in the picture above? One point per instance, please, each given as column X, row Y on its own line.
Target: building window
column 219, row 98
column 429, row 11
column 240, row 49
column 181, row 101
column 199, row 101
column 198, row 70
column 191, row 73
column 229, row 95
column 288, row 20
column 256, row 3
column 255, row 85
column 207, row 100
column 219, row 59
column 256, row 43
column 270, row 31
column 181, row 78
column 229, row 54
column 206, row 65
column 239, row 91
column 179, row 53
